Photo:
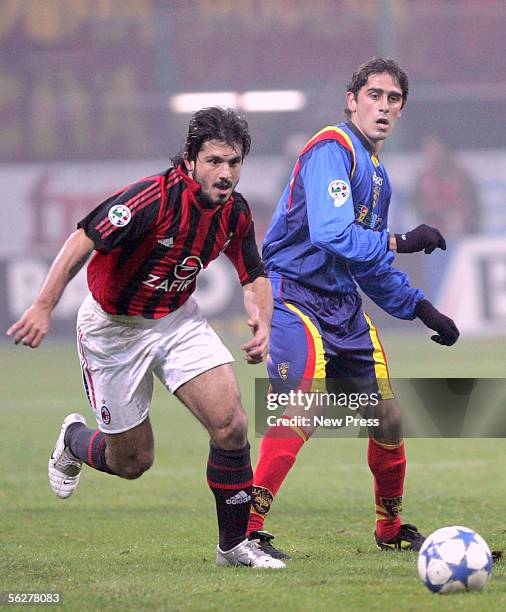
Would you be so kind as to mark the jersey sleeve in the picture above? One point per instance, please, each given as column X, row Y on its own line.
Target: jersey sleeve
column 243, row 252
column 388, row 287
column 325, row 173
column 125, row 216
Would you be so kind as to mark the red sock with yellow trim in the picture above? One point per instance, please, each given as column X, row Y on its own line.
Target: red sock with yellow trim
column 277, row 453
column 387, row 462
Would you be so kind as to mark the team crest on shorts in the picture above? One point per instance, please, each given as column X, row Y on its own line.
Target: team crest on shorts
column 340, row 191
column 106, row 415
column 392, row 505
column 283, row 369
column 119, row 215
column 261, row 500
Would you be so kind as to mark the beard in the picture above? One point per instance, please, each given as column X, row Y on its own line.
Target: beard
column 208, row 202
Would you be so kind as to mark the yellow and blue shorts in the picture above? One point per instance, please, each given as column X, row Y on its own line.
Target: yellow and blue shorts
column 322, row 340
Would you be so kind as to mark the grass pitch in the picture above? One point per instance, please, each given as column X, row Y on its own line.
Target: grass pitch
column 149, row 544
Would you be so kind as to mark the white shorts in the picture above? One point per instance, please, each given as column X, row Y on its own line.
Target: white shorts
column 120, row 354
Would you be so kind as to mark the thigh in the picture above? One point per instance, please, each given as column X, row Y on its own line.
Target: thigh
column 297, row 361
column 296, row 350
column 194, row 349
column 213, row 397
column 359, row 363
column 116, row 366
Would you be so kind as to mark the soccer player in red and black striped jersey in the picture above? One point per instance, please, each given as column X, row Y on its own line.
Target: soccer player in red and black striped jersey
column 150, row 241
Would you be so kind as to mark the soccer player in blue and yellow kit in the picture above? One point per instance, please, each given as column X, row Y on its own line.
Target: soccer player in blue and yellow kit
column 329, row 233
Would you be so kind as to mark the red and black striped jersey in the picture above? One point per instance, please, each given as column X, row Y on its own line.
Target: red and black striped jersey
column 154, row 236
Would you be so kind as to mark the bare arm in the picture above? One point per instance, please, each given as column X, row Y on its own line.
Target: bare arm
column 258, row 305
column 33, row 325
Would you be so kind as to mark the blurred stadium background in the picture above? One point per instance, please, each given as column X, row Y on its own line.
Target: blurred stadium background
column 98, row 92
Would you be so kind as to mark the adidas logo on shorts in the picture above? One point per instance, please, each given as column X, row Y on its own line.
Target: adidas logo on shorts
column 240, row 498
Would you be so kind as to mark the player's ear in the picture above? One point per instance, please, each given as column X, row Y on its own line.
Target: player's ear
column 189, row 165
column 351, row 101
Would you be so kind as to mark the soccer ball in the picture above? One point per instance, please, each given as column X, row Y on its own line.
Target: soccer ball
column 454, row 559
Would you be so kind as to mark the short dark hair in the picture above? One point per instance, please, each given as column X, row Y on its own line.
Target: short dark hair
column 214, row 123
column 377, row 65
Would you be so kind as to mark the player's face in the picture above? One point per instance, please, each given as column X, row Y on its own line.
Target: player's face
column 377, row 107
column 217, row 169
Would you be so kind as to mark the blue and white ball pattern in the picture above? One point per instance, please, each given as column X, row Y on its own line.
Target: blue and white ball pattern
column 455, row 559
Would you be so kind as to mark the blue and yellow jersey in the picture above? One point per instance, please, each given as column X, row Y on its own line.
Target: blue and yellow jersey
column 329, row 230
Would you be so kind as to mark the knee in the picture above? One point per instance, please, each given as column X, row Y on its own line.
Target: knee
column 390, row 422
column 232, row 432
column 393, row 419
column 134, row 466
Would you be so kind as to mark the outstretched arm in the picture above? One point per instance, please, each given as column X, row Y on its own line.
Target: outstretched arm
column 33, row 325
column 258, row 305
column 388, row 287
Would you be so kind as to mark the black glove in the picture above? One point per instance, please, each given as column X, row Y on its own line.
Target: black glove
column 447, row 332
column 422, row 238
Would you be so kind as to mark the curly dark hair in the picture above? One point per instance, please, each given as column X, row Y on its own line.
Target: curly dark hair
column 377, row 65
column 214, row 123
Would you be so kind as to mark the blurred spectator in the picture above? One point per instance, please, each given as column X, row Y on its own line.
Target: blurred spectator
column 445, row 195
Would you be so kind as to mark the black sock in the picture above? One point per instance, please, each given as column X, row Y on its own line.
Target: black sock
column 230, row 478
column 88, row 445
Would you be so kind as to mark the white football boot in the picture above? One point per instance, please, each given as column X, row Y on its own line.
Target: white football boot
column 63, row 468
column 247, row 553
